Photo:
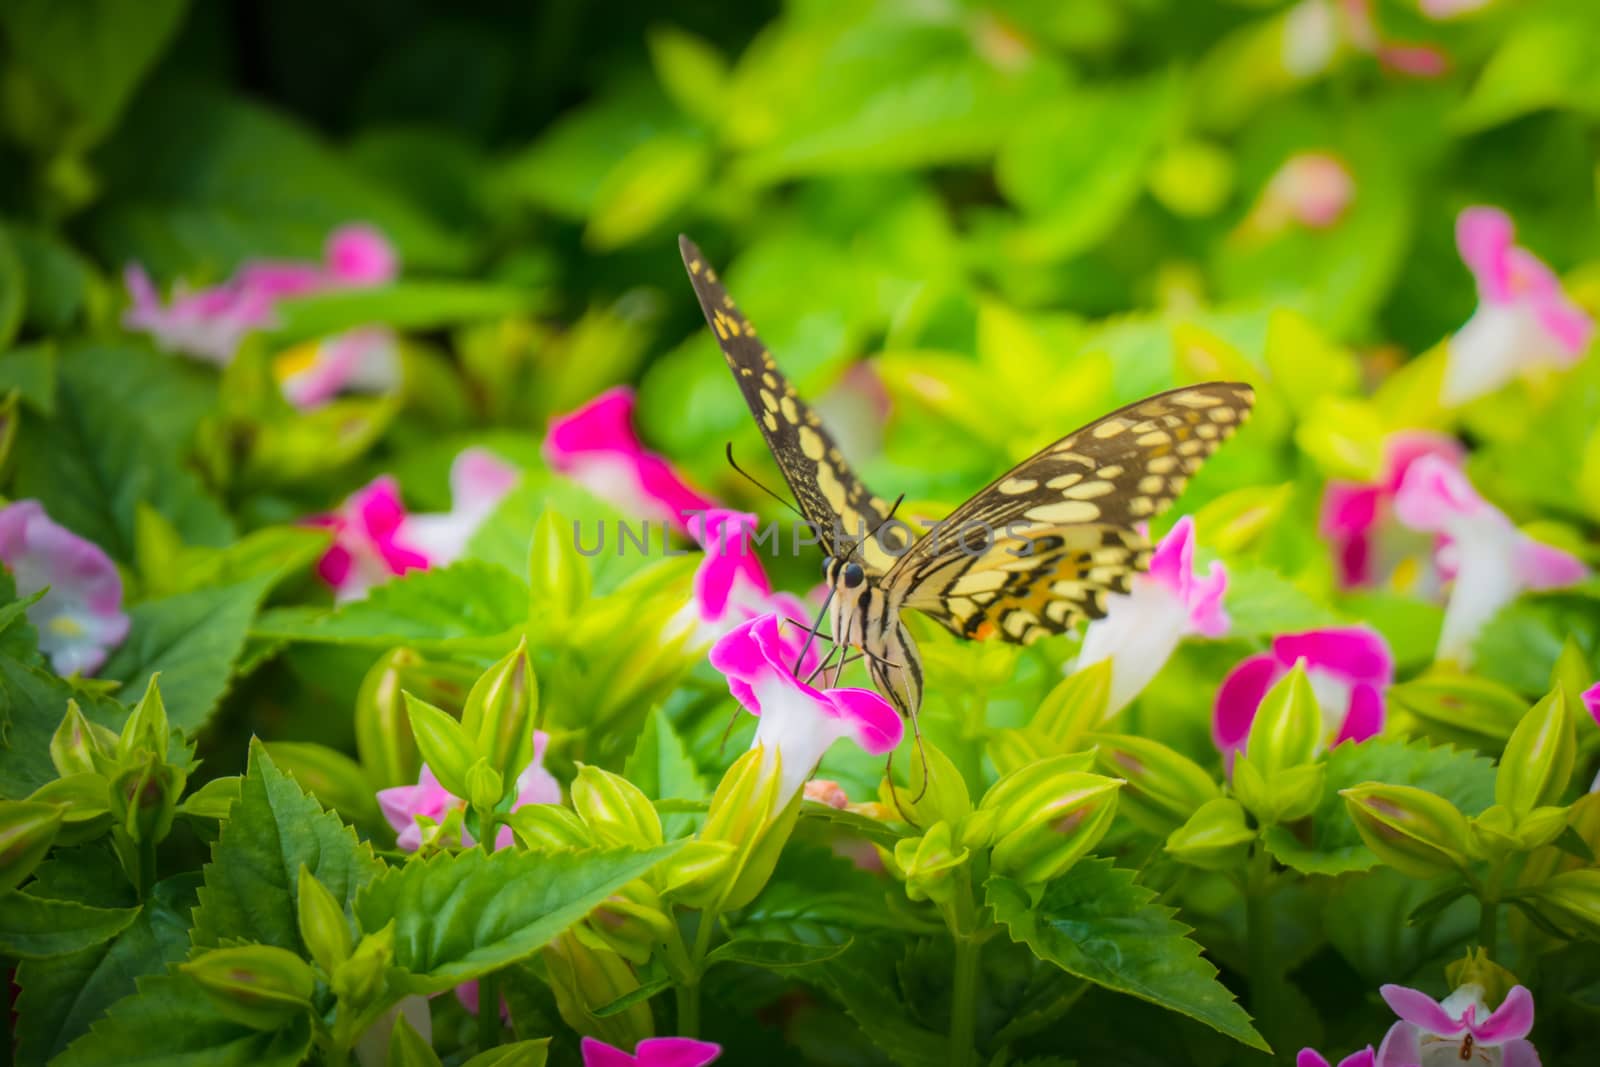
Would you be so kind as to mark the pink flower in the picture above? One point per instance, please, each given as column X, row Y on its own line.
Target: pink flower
column 1434, row 1033
column 1591, row 702
column 652, row 1052
column 1357, row 517
column 1348, row 667
column 1318, row 32
column 1142, row 627
column 210, row 323
column 1309, row 1057
column 798, row 723
column 403, row 805
column 362, row 360
column 1524, row 319
column 1491, row 560
column 1311, row 189
column 1447, row 9
column 596, row 447
column 80, row 619
column 375, row 539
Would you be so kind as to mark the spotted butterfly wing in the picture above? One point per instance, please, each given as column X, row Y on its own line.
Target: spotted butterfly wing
column 838, row 504
column 1064, row 521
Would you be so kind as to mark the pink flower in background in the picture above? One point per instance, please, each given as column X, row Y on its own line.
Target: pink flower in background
column 1459, row 1029
column 1524, row 319
column 1491, row 561
column 1310, row 1057
column 364, row 360
column 798, row 723
column 1591, row 702
column 80, row 619
column 652, row 1052
column 1348, row 667
column 1414, row 60
column 596, row 446
column 1358, row 517
column 376, row 539
column 1316, row 33
column 403, row 805
column 210, row 323
column 1143, row 626
column 1311, row 189
column 1448, row 9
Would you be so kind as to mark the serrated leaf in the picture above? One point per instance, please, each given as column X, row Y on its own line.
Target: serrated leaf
column 250, row 888
column 660, row 765
column 1103, row 927
column 864, row 982
column 461, row 915
column 32, row 701
column 36, row 928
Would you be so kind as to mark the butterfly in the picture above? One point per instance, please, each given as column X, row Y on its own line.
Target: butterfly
column 1037, row 549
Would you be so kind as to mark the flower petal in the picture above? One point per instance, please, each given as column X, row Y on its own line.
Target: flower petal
column 1310, row 1057
column 1354, row 653
column 1519, row 1053
column 361, row 255
column 1591, row 701
column 1510, row 1021
column 1419, row 1009
column 1364, row 718
column 1402, row 1046
column 873, row 722
column 1237, row 699
column 1363, row 1058
column 1542, row 566
column 675, row 1052
column 1483, row 236
column 597, row 1053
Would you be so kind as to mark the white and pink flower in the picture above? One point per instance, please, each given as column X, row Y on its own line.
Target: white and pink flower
column 363, row 360
column 1142, row 627
column 404, row 805
column 1489, row 559
column 1310, row 189
column 651, row 1052
column 798, row 724
column 1370, row 548
column 1310, row 1057
column 1524, row 319
column 80, row 618
column 1459, row 1029
column 596, row 446
column 375, row 539
column 1348, row 667
column 1316, row 33
column 731, row 586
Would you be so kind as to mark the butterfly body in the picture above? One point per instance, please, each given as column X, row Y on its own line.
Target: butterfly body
column 1039, row 548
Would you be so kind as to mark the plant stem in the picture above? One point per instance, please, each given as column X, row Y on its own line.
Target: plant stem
column 1266, row 976
column 688, row 994
column 964, row 1000
column 488, row 1011
column 147, row 867
column 1489, row 911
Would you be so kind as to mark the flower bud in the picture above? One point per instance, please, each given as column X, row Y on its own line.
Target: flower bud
column 147, row 727
column 1290, row 794
column 77, row 747
column 444, row 745
column 584, row 978
column 927, row 864
column 696, row 874
column 1476, row 968
column 1046, row 830
column 557, row 574
column 1163, row 788
column 632, row 921
column 499, row 713
column 259, row 986
column 485, row 786
column 27, row 830
column 359, row 981
column 1013, row 798
column 744, row 818
column 1076, row 706
column 1538, row 759
column 1215, row 838
column 1460, row 706
column 615, row 810
column 384, row 742
column 1287, row 729
column 1573, row 896
column 549, row 828
column 144, row 798
column 322, row 923
column 1497, row 831
column 1418, row 833
column 936, row 790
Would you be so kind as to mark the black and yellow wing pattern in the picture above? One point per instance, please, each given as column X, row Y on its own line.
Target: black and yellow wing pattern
column 1043, row 545
column 836, row 502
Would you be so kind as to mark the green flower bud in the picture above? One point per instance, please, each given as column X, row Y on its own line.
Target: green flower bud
column 928, row 864
column 384, row 742
column 936, row 790
column 1076, row 706
column 499, row 713
column 214, row 800
column 1538, row 759
column 698, row 872
column 583, row 978
column 1460, row 707
column 1215, row 838
column 485, row 786
column 1540, row 827
column 323, row 926
column 558, row 576
column 1288, row 795
column 633, row 922
column 1572, row 674
column 1573, row 896
column 745, row 818
column 27, row 830
column 147, row 727
column 1163, row 788
column 444, row 745
column 615, row 810
column 1045, row 830
column 259, row 986
column 1416, row 832
column 79, row 746
column 144, row 798
column 1287, row 729
column 1476, row 968
column 549, row 828
column 359, row 981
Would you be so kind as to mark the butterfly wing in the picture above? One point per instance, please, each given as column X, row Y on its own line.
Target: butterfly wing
column 1046, row 542
column 838, row 504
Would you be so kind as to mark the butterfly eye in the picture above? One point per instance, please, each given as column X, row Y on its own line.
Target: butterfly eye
column 853, row 575
column 827, row 567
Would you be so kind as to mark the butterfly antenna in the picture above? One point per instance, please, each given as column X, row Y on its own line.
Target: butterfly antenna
column 822, row 613
column 759, row 484
column 882, row 523
column 922, row 755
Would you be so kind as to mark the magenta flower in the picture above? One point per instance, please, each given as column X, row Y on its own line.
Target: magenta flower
column 1490, row 560
column 375, row 539
column 1310, row 1057
column 365, row 360
column 1434, row 1033
column 596, row 446
column 798, row 723
column 80, row 619
column 1591, row 702
column 210, row 323
column 1348, row 667
column 652, row 1052
column 1524, row 319
column 1357, row 517
column 1143, row 626
column 404, row 805
column 1311, row 189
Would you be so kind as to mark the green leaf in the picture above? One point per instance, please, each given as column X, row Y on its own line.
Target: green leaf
column 31, row 371
column 1334, row 846
column 531, row 1053
column 1100, row 925
column 424, row 609
column 864, row 982
column 1263, row 603
column 1372, row 922
column 1551, row 61
column 170, row 1022
column 633, row 996
column 13, row 288
column 250, row 888
column 660, row 766
column 407, row 305
column 646, row 186
column 192, row 639
column 35, row 928
column 774, row 955
column 461, row 915
column 1519, row 647
column 59, row 279
column 32, row 701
